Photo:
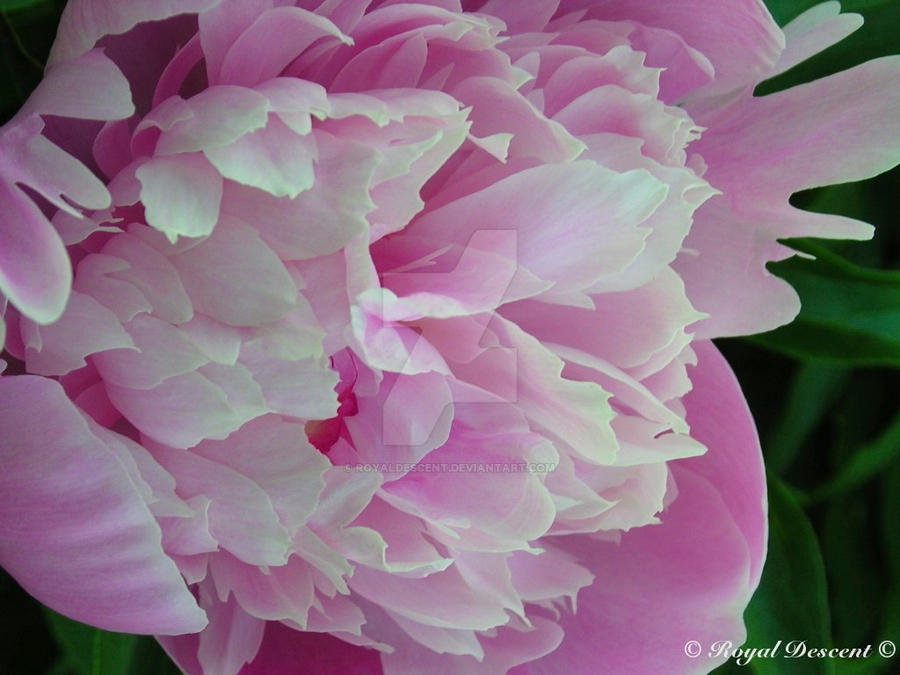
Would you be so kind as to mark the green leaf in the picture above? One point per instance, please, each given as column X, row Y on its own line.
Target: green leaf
column 866, row 463
column 90, row 651
column 791, row 602
column 850, row 314
column 75, row 640
column 849, row 536
column 813, row 389
column 150, row 659
column 19, row 4
column 112, row 653
column 890, row 523
column 784, row 11
column 890, row 605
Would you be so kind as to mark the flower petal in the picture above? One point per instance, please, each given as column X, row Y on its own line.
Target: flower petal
column 743, row 48
column 85, row 327
column 690, row 577
column 326, row 655
column 35, row 272
column 274, row 159
column 233, row 277
column 276, row 38
column 759, row 152
column 84, row 22
column 181, row 194
column 813, row 31
column 89, row 87
column 74, row 530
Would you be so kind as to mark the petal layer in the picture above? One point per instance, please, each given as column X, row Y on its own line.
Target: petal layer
column 74, row 529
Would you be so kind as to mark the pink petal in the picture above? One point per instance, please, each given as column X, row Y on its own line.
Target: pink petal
column 89, row 87
column 164, row 352
column 345, row 495
column 213, row 118
column 232, row 638
column 188, row 535
column 336, row 614
column 664, row 130
column 301, row 388
column 589, row 216
column 94, row 278
column 219, row 342
column 178, row 70
column 669, row 224
column 620, row 66
column 480, row 280
column 408, row 550
column 233, row 277
column 499, row 108
column 221, row 24
column 443, row 641
column 153, row 275
column 719, row 418
column 181, row 194
column 647, row 319
column 723, row 269
column 155, row 484
column 413, row 151
column 181, row 411
column 691, row 577
column 549, row 575
column 743, row 48
column 409, row 418
column 684, row 69
column 84, row 22
column 86, row 327
column 35, row 272
column 576, row 413
column 503, row 648
column 296, row 101
column 31, row 159
column 241, row 515
column 285, row 32
column 636, row 493
column 510, row 508
column 324, row 655
column 521, row 19
column 442, row 599
column 813, row 31
column 316, row 222
column 285, row 592
column 504, row 651
column 274, row 159
column 279, row 459
column 397, row 62
column 78, row 536
column 390, row 346
column 848, row 131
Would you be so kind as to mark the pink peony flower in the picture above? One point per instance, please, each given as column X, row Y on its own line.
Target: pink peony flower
column 369, row 336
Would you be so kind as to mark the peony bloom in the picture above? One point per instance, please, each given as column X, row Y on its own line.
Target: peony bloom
column 370, row 336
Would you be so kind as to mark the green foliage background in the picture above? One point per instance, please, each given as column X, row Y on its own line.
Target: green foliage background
column 824, row 390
